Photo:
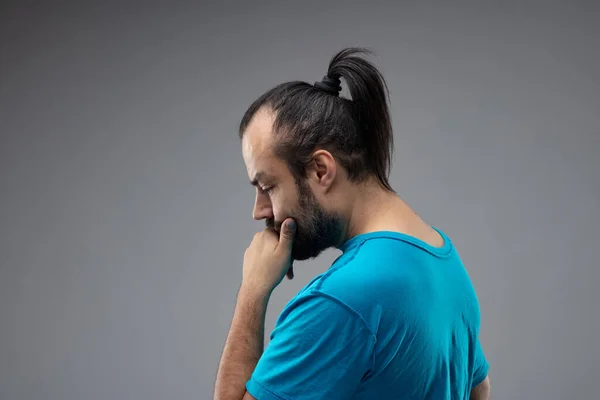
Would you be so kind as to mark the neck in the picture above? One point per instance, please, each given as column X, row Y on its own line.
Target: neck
column 376, row 209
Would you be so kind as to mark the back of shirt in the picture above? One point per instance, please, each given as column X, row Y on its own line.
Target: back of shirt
column 392, row 318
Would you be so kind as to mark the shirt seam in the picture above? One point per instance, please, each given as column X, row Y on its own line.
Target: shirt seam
column 434, row 251
column 441, row 252
column 268, row 390
column 356, row 314
column 349, row 308
column 337, row 266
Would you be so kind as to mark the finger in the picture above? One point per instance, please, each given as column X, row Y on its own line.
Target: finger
column 290, row 273
column 288, row 231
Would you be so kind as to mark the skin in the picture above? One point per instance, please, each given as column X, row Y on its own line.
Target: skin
column 481, row 391
column 327, row 208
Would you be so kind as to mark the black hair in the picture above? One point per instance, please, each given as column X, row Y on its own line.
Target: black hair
column 356, row 131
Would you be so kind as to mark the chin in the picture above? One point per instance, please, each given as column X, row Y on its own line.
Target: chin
column 301, row 257
column 305, row 253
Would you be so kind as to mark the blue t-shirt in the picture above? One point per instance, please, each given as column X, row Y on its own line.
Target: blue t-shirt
column 392, row 318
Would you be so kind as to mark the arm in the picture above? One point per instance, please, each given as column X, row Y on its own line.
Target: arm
column 243, row 347
column 481, row 391
column 320, row 348
column 481, row 381
column 266, row 262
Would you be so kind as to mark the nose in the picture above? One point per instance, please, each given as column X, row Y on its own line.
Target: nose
column 262, row 207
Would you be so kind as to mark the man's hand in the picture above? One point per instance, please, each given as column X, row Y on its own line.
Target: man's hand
column 269, row 258
column 266, row 261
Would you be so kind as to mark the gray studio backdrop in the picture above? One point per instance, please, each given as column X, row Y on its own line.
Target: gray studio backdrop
column 125, row 208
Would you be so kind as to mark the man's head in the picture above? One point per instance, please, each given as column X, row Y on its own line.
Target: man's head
column 307, row 150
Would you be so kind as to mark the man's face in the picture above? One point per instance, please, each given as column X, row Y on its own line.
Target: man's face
column 279, row 195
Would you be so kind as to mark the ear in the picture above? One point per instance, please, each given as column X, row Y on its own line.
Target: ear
column 324, row 169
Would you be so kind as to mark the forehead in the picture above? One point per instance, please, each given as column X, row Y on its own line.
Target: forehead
column 257, row 145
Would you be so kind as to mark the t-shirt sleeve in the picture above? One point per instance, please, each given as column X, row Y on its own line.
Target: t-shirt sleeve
column 480, row 366
column 320, row 349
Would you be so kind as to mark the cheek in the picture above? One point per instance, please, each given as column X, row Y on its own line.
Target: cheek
column 280, row 211
column 283, row 207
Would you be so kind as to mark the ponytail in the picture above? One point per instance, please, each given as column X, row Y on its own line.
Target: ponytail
column 370, row 95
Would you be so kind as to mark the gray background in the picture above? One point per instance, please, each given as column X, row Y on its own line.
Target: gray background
column 125, row 207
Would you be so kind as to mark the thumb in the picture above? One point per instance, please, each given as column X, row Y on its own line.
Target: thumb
column 288, row 231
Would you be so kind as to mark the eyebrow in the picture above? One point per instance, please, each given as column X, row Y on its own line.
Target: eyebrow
column 258, row 177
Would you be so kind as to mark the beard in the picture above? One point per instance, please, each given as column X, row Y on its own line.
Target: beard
column 316, row 228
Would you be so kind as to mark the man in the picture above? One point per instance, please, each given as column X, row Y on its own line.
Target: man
column 395, row 316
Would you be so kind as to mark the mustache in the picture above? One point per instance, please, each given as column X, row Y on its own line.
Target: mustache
column 271, row 224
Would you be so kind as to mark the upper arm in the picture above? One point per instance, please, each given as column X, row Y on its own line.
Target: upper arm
column 320, row 348
column 480, row 365
column 248, row 396
column 481, row 391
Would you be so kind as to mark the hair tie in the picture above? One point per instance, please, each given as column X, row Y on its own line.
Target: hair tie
column 330, row 85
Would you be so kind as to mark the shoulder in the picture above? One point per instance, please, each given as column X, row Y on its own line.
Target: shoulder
column 346, row 294
column 318, row 342
column 361, row 275
column 380, row 277
column 317, row 308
